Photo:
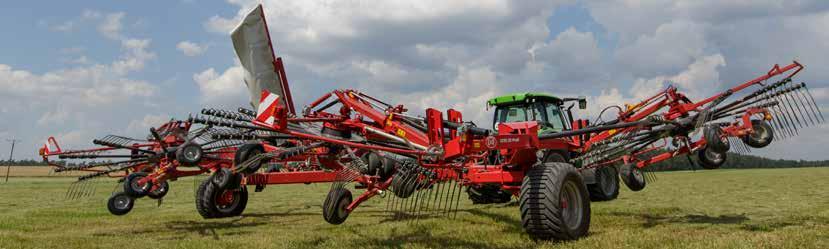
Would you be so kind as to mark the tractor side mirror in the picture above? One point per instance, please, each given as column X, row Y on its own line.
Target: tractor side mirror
column 582, row 102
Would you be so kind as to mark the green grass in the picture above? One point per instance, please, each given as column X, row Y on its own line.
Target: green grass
column 771, row 208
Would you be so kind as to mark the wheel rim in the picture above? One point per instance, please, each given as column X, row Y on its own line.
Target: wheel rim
column 137, row 187
column 226, row 200
column 760, row 134
column 121, row 202
column 571, row 203
column 713, row 156
column 341, row 209
column 637, row 174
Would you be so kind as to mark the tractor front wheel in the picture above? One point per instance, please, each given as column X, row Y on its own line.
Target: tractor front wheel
column 120, row 203
column 606, row 187
column 334, row 208
column 554, row 202
column 761, row 136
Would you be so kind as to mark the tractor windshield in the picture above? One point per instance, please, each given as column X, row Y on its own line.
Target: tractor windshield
column 548, row 115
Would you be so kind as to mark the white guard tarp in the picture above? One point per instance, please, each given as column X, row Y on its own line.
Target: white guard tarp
column 253, row 47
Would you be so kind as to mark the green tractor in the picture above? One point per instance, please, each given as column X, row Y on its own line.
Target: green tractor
column 553, row 114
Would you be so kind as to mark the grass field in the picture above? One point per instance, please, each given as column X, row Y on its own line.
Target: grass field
column 770, row 208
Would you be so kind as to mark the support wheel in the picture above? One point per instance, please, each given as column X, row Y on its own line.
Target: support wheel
column 120, row 203
column 606, row 187
column 715, row 140
column 202, row 207
column 159, row 192
column 632, row 177
column 248, row 151
column 406, row 179
column 554, row 202
column 220, row 203
column 709, row 159
column 761, row 136
column 133, row 188
column 487, row 194
column 334, row 208
column 224, row 178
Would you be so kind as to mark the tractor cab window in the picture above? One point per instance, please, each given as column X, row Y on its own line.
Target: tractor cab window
column 555, row 119
column 510, row 114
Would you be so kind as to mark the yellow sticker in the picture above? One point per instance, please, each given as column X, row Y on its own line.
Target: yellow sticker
column 611, row 132
column 401, row 133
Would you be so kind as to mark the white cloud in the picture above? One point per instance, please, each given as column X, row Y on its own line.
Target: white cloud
column 111, row 26
column 143, row 125
column 227, row 89
column 191, row 48
column 64, row 27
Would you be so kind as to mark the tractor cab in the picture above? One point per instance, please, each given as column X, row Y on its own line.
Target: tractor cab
column 548, row 110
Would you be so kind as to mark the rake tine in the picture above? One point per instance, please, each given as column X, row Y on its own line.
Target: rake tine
column 811, row 105
column 449, row 198
column 774, row 122
column 813, row 102
column 777, row 119
column 439, row 194
column 793, row 113
column 458, row 199
column 786, row 116
column 804, row 102
column 798, row 103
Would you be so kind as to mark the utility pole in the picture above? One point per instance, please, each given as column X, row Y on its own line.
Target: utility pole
column 11, row 154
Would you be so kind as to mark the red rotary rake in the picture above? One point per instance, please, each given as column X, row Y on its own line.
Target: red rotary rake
column 144, row 166
column 381, row 148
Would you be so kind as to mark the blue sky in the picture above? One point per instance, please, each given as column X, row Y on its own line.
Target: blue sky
column 83, row 69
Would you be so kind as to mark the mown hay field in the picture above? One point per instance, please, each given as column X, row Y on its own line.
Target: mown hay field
column 764, row 208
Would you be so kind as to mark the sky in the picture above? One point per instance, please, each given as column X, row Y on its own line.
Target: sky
column 78, row 70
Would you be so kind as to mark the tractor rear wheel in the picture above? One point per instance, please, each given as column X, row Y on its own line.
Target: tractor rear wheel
column 334, row 208
column 159, row 192
column 487, row 194
column 133, row 188
column 632, row 176
column 761, row 136
column 554, row 202
column 709, row 159
column 120, row 203
column 606, row 187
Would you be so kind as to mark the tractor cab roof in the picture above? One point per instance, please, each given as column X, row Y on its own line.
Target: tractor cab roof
column 514, row 98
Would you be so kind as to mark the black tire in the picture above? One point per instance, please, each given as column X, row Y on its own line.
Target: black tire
column 405, row 181
column 224, row 178
column 203, row 208
column 247, row 151
column 761, row 136
column 334, row 208
column 236, row 204
column 159, row 192
column 132, row 188
column 374, row 163
column 606, row 187
column 554, row 202
column 632, row 176
column 714, row 139
column 189, row 154
column 120, row 203
column 709, row 159
column 488, row 194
